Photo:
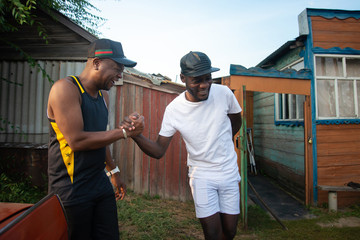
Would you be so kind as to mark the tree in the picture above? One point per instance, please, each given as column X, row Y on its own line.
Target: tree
column 14, row 12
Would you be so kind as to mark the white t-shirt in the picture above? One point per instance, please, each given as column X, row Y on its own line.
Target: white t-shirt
column 207, row 133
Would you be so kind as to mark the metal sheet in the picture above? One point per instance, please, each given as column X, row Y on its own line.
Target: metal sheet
column 24, row 94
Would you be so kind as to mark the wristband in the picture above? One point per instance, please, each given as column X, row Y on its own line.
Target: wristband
column 124, row 133
column 115, row 170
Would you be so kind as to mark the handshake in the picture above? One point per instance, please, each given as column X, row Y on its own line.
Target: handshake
column 133, row 124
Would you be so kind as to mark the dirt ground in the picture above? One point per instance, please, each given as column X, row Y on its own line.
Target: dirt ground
column 343, row 222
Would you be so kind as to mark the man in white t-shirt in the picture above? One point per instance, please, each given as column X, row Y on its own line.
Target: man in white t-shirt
column 207, row 117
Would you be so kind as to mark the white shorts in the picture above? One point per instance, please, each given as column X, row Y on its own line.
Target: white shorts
column 212, row 196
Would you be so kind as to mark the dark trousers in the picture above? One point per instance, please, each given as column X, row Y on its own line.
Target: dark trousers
column 95, row 219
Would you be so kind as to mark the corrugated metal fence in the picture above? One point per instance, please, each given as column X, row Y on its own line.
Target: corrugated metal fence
column 24, row 94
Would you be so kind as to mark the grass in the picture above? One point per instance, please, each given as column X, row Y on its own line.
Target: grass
column 145, row 217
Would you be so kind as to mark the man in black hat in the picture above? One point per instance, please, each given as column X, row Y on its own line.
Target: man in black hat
column 78, row 145
column 207, row 117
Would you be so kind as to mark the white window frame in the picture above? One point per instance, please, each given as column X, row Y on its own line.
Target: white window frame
column 299, row 106
column 356, row 80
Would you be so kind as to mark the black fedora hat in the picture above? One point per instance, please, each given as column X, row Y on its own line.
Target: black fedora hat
column 195, row 64
column 106, row 48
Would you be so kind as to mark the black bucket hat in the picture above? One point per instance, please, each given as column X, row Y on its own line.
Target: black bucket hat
column 106, row 48
column 195, row 64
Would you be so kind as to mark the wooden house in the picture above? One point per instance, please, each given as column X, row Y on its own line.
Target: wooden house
column 303, row 104
column 24, row 91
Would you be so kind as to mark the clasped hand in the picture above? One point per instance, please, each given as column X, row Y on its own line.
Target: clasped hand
column 134, row 123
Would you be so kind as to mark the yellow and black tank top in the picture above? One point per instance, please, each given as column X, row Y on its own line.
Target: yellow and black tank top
column 79, row 176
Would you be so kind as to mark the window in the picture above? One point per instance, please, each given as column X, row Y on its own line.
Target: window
column 337, row 83
column 288, row 107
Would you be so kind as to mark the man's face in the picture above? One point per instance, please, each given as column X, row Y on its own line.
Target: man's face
column 112, row 72
column 198, row 88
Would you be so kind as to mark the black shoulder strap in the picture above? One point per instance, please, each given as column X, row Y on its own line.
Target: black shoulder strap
column 78, row 83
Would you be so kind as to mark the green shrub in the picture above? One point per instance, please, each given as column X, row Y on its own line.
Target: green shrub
column 19, row 192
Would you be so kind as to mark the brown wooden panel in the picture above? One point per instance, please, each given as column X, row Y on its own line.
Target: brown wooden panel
column 338, row 148
column 340, row 127
column 160, row 109
column 172, row 163
column 338, row 140
column 138, row 152
column 344, row 198
column 65, row 39
column 129, row 107
column 338, row 159
column 270, row 84
column 338, row 175
column 335, row 136
column 335, row 25
column 346, row 160
column 146, row 159
column 166, row 177
column 153, row 133
column 120, row 146
column 328, row 33
column 328, row 36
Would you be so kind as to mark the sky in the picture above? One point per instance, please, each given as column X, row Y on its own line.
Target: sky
column 157, row 33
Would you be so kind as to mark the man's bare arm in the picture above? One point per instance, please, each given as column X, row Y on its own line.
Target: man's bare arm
column 120, row 187
column 236, row 122
column 153, row 149
column 65, row 107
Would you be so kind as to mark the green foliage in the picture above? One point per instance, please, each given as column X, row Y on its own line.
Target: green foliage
column 19, row 191
column 21, row 12
column 77, row 10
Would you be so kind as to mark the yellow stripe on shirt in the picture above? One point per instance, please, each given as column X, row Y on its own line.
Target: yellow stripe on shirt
column 66, row 152
column 77, row 81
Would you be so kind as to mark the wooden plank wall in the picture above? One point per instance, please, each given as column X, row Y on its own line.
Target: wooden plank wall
column 279, row 150
column 342, row 33
column 66, row 40
column 166, row 177
column 338, row 146
column 338, row 159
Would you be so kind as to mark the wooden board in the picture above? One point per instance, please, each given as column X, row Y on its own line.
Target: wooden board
column 342, row 33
